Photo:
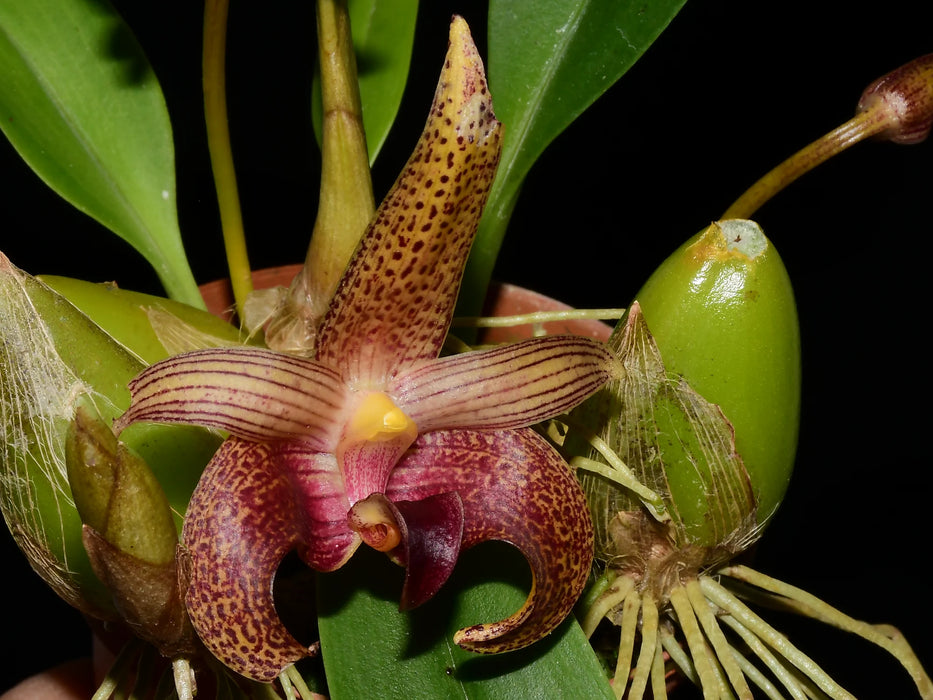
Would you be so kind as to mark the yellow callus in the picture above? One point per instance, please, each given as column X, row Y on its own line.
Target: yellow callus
column 378, row 419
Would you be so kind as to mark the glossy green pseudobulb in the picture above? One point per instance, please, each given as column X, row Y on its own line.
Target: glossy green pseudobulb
column 721, row 310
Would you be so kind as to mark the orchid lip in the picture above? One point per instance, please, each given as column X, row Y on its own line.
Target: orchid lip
column 375, row 522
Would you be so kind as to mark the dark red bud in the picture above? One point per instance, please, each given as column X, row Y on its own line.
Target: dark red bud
column 905, row 95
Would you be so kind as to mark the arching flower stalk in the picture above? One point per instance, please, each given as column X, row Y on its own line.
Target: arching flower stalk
column 375, row 439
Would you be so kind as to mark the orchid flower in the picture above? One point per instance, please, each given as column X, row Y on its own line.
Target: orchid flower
column 376, row 439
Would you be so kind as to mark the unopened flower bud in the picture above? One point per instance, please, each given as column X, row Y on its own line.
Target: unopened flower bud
column 905, row 96
column 129, row 533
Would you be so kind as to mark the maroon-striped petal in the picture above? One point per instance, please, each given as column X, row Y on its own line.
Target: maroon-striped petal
column 508, row 386
column 252, row 393
column 395, row 302
column 366, row 465
column 322, row 501
column 514, row 487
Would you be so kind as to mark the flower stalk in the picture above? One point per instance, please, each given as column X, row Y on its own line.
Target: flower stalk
column 897, row 107
column 218, row 143
column 346, row 203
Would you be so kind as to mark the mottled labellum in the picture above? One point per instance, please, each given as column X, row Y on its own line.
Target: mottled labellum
column 376, row 439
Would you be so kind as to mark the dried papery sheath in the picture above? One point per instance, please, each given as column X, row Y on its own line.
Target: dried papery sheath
column 677, row 444
column 40, row 385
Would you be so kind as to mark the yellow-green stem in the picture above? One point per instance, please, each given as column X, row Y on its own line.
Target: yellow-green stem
column 536, row 317
column 861, row 126
column 218, row 143
column 346, row 199
column 346, row 202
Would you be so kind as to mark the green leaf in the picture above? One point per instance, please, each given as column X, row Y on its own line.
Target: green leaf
column 383, row 37
column 549, row 61
column 398, row 656
column 81, row 104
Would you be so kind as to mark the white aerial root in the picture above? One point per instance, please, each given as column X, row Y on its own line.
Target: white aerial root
column 135, row 669
column 778, row 593
column 718, row 643
column 184, row 679
column 122, row 672
column 614, row 469
column 294, row 685
column 139, row 666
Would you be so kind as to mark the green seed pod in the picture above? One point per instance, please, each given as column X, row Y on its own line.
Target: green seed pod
column 52, row 358
column 722, row 312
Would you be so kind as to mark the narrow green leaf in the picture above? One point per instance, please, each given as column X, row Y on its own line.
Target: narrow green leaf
column 81, row 104
column 549, row 61
column 398, row 656
column 383, row 37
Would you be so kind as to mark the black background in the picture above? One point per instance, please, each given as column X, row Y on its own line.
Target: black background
column 731, row 89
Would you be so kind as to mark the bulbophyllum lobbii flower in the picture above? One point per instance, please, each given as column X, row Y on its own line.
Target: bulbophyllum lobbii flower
column 377, row 439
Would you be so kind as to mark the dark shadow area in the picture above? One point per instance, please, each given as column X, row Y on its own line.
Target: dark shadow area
column 118, row 43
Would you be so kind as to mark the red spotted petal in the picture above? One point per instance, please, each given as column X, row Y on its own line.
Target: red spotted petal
column 242, row 520
column 508, row 386
column 255, row 503
column 395, row 302
column 252, row 393
column 515, row 488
